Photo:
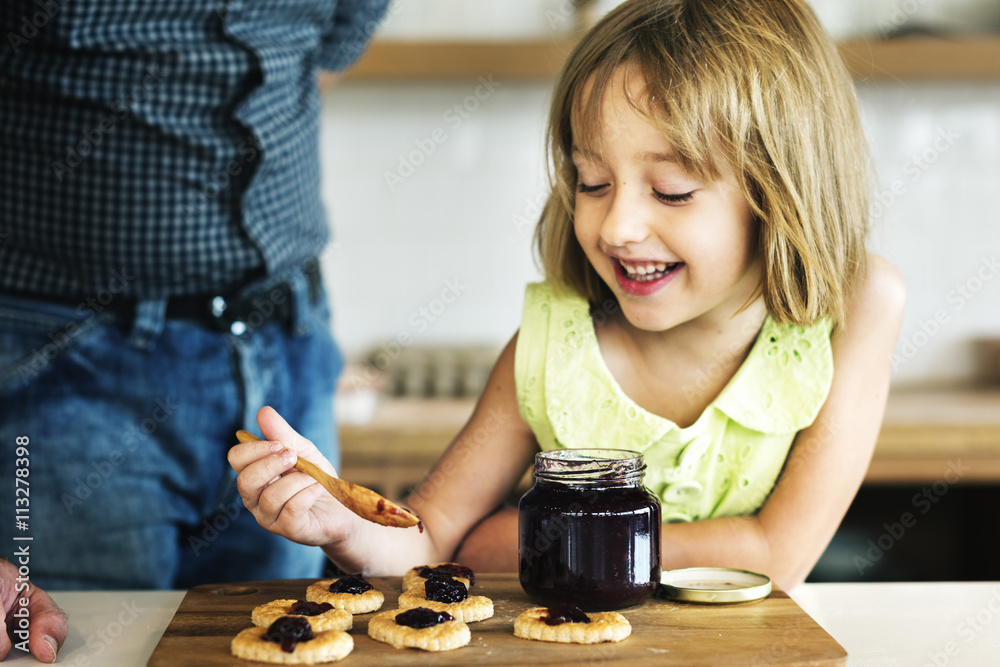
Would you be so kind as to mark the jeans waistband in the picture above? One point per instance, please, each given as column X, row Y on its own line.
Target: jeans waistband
column 283, row 299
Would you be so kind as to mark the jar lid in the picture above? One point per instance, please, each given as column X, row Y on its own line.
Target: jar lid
column 714, row 585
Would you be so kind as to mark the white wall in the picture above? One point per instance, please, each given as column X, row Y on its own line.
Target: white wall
column 456, row 218
column 460, row 224
column 938, row 146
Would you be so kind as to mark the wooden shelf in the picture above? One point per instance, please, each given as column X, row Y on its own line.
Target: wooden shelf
column 923, row 58
column 918, row 58
column 389, row 60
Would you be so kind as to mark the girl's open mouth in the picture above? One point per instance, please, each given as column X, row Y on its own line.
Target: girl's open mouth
column 642, row 278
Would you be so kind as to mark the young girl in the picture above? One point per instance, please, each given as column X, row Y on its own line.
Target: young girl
column 708, row 303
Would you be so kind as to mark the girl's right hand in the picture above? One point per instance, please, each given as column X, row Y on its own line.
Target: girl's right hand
column 282, row 499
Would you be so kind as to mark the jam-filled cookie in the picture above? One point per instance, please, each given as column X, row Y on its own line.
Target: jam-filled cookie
column 416, row 575
column 420, row 628
column 350, row 593
column 291, row 641
column 443, row 593
column 321, row 615
column 568, row 624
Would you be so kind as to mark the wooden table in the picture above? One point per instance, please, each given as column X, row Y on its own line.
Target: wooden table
column 772, row 631
column 925, row 434
column 957, row 624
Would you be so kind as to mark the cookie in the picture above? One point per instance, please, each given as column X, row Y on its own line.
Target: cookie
column 602, row 626
column 441, row 593
column 357, row 596
column 416, row 575
column 324, row 619
column 325, row 646
column 443, row 636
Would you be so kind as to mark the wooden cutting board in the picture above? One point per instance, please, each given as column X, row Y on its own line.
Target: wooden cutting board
column 774, row 631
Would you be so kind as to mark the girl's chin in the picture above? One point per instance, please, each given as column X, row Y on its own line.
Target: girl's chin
column 647, row 319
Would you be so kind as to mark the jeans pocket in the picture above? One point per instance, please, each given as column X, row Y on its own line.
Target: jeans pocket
column 33, row 335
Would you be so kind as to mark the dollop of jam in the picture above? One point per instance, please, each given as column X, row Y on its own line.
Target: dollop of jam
column 422, row 617
column 307, row 608
column 565, row 613
column 450, row 569
column 442, row 588
column 288, row 631
column 350, row 583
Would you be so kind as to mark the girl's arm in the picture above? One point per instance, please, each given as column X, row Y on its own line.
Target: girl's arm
column 828, row 461
column 824, row 470
column 469, row 481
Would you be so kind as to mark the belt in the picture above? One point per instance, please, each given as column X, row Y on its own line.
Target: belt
column 231, row 310
column 235, row 312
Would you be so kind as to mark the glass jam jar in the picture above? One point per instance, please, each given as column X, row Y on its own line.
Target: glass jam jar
column 589, row 531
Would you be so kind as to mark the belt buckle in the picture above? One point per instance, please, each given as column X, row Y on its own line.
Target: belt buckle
column 217, row 307
column 239, row 315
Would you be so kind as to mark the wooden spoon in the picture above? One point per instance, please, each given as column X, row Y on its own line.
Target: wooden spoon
column 362, row 501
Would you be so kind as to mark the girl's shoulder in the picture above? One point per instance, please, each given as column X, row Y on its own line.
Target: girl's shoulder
column 878, row 302
column 883, row 286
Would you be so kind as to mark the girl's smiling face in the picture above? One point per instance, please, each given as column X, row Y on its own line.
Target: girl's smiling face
column 672, row 247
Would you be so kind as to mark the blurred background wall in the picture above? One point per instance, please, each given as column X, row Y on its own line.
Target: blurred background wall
column 433, row 187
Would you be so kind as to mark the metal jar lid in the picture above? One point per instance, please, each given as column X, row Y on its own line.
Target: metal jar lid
column 713, row 585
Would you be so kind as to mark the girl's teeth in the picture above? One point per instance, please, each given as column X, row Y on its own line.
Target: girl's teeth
column 645, row 272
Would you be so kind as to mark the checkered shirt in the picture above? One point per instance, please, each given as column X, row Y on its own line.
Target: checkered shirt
column 172, row 141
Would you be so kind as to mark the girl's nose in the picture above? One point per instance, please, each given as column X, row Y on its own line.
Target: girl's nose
column 624, row 224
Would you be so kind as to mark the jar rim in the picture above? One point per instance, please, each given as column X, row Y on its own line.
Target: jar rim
column 589, row 454
column 582, row 464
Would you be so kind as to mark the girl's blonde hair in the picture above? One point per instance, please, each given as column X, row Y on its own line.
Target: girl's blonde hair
column 757, row 82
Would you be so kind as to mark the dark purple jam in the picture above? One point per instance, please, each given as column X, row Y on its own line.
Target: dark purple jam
column 596, row 546
column 450, row 569
column 350, row 583
column 565, row 613
column 442, row 588
column 288, row 631
column 307, row 608
column 422, row 617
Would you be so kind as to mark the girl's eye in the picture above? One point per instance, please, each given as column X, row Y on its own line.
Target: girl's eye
column 673, row 199
column 588, row 189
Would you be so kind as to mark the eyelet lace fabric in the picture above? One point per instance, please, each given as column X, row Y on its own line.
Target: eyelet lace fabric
column 724, row 464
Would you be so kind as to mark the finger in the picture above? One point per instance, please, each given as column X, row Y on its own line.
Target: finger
column 9, row 597
column 274, row 427
column 255, row 477
column 49, row 626
column 5, row 644
column 240, row 456
column 313, row 510
column 273, row 499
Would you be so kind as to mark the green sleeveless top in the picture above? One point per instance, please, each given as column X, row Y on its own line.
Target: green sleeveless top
column 724, row 464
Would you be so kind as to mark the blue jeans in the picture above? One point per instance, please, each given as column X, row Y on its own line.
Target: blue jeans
column 128, row 424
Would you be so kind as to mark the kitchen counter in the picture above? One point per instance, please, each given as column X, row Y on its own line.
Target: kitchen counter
column 926, row 434
column 899, row 624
